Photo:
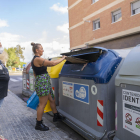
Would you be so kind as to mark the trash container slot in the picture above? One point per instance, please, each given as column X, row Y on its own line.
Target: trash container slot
column 76, row 49
column 80, row 69
column 75, row 60
column 91, row 57
column 83, row 58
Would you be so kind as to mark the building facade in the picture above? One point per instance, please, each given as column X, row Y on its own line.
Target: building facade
column 112, row 24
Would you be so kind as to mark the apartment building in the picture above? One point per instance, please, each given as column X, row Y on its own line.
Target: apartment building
column 112, row 24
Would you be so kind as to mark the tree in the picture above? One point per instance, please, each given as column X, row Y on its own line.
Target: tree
column 4, row 56
column 19, row 52
column 21, row 64
column 14, row 56
column 13, row 59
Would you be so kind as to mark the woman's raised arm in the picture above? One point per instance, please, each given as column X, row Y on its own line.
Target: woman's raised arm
column 45, row 62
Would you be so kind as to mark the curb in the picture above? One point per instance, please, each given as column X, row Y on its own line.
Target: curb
column 15, row 73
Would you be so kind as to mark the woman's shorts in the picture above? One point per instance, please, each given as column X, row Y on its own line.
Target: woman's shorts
column 43, row 85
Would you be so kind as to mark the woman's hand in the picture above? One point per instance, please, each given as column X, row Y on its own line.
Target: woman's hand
column 64, row 57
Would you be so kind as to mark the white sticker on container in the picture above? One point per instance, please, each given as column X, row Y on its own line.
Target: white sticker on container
column 24, row 84
column 1, row 67
column 77, row 91
column 131, row 111
column 93, row 89
column 68, row 89
column 31, row 82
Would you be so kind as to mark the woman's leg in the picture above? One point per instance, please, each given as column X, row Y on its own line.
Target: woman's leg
column 42, row 103
column 39, row 123
column 57, row 116
column 52, row 104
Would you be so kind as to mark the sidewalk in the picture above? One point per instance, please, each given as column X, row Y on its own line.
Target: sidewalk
column 17, row 122
column 15, row 73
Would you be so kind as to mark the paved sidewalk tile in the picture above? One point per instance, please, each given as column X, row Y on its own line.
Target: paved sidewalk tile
column 17, row 122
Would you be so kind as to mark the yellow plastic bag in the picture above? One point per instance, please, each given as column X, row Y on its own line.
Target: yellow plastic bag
column 55, row 70
column 47, row 107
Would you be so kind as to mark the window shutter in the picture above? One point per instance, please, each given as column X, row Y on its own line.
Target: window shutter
column 96, row 24
column 136, row 5
column 93, row 1
column 97, row 21
column 116, row 12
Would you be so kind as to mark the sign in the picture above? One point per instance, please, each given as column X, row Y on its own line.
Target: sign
column 24, row 81
column 93, row 89
column 76, row 91
column 81, row 93
column 1, row 68
column 68, row 89
column 31, row 82
column 131, row 111
column 23, row 65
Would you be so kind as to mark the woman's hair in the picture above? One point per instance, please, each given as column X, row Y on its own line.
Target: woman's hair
column 35, row 46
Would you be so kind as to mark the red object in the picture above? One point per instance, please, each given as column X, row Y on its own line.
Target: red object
column 2, row 138
column 27, row 83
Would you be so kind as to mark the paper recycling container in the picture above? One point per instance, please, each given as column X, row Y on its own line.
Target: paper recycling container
column 87, row 91
column 25, row 80
column 31, row 81
column 127, row 98
column 54, row 75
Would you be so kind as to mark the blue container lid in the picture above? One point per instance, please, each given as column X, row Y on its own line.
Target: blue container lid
column 101, row 67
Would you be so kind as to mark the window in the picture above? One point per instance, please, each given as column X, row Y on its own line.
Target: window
column 96, row 24
column 135, row 7
column 93, row 1
column 116, row 15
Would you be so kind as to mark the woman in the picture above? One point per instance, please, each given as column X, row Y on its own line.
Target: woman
column 43, row 85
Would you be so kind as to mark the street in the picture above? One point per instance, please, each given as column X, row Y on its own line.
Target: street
column 15, row 86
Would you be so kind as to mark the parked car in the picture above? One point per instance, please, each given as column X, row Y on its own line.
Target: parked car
column 18, row 69
column 21, row 69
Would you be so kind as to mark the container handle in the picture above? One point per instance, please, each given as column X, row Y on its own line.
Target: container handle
column 75, row 70
column 80, row 69
column 75, row 49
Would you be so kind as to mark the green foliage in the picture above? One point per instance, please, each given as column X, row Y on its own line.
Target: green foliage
column 21, row 64
column 4, row 56
column 13, row 59
column 19, row 52
column 14, row 56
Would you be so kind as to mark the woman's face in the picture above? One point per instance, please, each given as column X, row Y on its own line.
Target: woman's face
column 40, row 50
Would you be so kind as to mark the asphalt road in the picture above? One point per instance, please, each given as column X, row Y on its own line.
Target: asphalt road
column 15, row 85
